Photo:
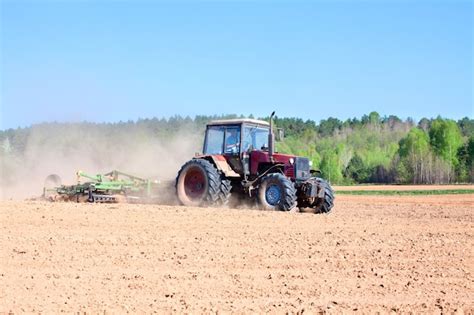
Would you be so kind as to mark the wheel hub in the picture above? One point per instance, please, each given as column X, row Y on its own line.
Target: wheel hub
column 194, row 183
column 273, row 195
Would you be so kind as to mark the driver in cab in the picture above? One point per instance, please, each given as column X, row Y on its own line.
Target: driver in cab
column 232, row 141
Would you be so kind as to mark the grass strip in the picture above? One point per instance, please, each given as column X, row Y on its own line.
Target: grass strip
column 406, row 192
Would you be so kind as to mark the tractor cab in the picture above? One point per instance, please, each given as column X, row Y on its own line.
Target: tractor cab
column 236, row 136
column 233, row 140
column 244, row 148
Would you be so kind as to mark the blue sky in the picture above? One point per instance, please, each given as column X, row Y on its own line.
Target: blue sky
column 121, row 60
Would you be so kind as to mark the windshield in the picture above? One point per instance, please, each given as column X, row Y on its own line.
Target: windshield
column 255, row 138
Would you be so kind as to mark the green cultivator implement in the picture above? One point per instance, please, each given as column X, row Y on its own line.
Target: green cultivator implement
column 114, row 186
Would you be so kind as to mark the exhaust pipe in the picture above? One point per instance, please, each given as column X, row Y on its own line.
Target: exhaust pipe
column 271, row 138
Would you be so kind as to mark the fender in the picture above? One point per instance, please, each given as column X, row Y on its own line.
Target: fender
column 221, row 164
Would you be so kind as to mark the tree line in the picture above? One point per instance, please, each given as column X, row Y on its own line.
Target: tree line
column 369, row 149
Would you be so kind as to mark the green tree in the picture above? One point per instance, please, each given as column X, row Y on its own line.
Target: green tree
column 374, row 118
column 327, row 127
column 413, row 151
column 465, row 169
column 446, row 139
column 330, row 167
column 467, row 127
column 357, row 170
column 424, row 124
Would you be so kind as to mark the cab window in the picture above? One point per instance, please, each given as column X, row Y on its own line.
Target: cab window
column 232, row 140
column 222, row 140
column 214, row 140
column 255, row 138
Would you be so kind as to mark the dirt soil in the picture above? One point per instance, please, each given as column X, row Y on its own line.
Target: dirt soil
column 388, row 254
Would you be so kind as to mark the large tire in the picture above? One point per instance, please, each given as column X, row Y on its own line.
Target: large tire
column 199, row 184
column 324, row 204
column 277, row 192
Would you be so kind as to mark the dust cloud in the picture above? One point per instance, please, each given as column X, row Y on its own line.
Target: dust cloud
column 63, row 149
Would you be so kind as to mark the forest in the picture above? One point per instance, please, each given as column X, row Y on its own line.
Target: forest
column 369, row 149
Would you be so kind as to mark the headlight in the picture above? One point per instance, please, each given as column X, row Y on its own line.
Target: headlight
column 310, row 163
column 292, row 161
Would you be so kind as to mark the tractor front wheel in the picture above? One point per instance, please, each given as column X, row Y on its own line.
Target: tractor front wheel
column 199, row 184
column 277, row 192
column 325, row 203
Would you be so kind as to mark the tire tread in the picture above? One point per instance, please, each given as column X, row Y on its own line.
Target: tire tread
column 219, row 186
column 327, row 203
column 289, row 191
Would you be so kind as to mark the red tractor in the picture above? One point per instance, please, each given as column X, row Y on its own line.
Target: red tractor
column 239, row 158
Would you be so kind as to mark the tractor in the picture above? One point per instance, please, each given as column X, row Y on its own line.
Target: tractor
column 239, row 159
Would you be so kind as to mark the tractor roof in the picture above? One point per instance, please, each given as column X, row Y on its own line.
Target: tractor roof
column 239, row 121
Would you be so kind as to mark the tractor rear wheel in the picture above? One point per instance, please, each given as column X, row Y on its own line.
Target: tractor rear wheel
column 277, row 192
column 324, row 204
column 200, row 184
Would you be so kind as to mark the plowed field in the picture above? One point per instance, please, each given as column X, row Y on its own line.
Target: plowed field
column 370, row 254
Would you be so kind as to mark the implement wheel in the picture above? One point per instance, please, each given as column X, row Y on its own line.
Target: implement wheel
column 199, row 184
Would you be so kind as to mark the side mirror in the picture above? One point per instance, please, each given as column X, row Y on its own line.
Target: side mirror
column 280, row 134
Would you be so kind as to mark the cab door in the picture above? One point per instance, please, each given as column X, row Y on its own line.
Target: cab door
column 232, row 145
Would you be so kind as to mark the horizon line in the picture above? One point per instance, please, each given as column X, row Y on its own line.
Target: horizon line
column 193, row 117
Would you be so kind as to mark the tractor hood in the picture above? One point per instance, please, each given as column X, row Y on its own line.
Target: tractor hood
column 264, row 157
column 299, row 167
